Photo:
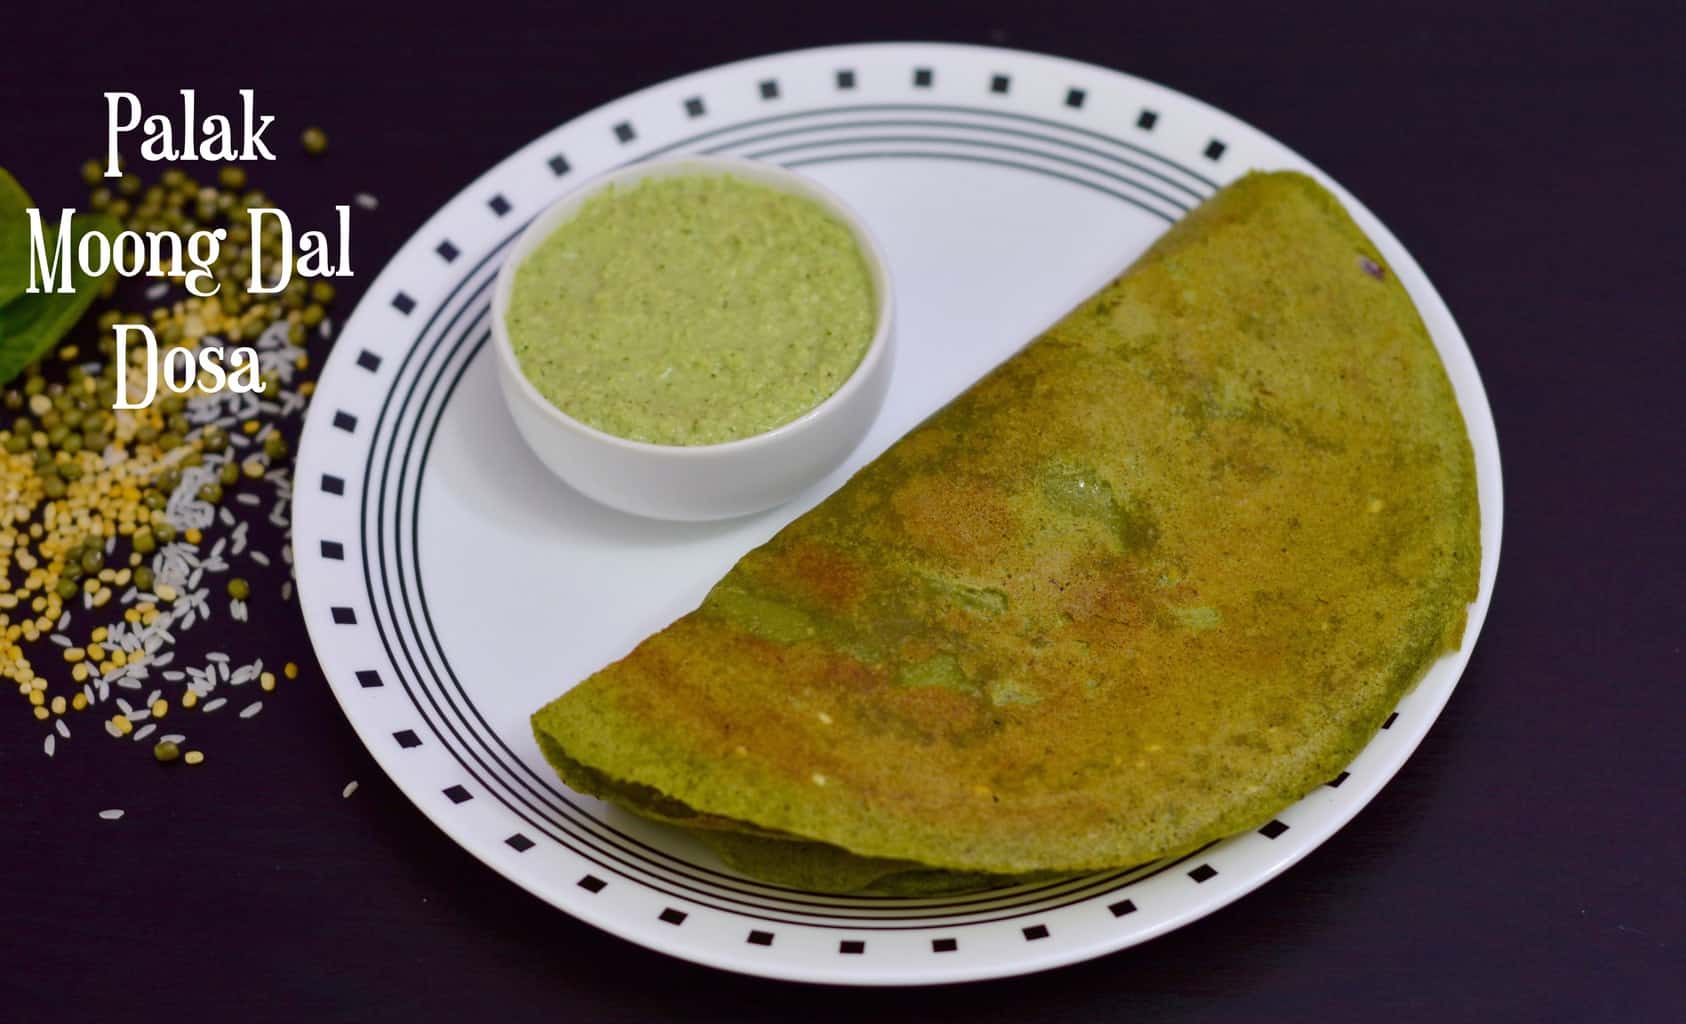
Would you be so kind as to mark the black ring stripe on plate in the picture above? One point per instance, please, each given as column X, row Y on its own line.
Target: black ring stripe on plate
column 984, row 114
column 867, row 140
column 912, row 154
column 371, row 455
column 459, row 314
column 950, row 910
column 959, row 126
column 453, row 728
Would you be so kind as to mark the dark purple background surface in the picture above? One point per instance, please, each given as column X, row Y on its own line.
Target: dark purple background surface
column 1527, row 863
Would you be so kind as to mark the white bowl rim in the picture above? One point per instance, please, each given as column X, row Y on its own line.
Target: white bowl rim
column 553, row 216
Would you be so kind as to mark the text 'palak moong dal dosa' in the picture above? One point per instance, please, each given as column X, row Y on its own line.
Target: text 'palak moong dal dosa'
column 1148, row 582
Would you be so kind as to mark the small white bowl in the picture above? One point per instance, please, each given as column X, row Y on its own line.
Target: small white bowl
column 698, row 482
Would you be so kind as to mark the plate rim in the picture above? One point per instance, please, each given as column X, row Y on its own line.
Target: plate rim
column 1473, row 405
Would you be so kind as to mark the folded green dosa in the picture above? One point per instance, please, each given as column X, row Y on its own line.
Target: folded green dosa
column 1145, row 584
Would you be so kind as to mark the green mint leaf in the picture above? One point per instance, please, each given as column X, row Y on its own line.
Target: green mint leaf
column 30, row 325
column 14, row 238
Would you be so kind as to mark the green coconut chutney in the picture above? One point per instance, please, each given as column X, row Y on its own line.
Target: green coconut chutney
column 692, row 310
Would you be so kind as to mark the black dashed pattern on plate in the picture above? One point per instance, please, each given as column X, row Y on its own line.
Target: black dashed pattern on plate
column 923, row 78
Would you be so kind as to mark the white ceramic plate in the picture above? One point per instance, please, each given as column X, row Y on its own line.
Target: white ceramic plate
column 451, row 585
